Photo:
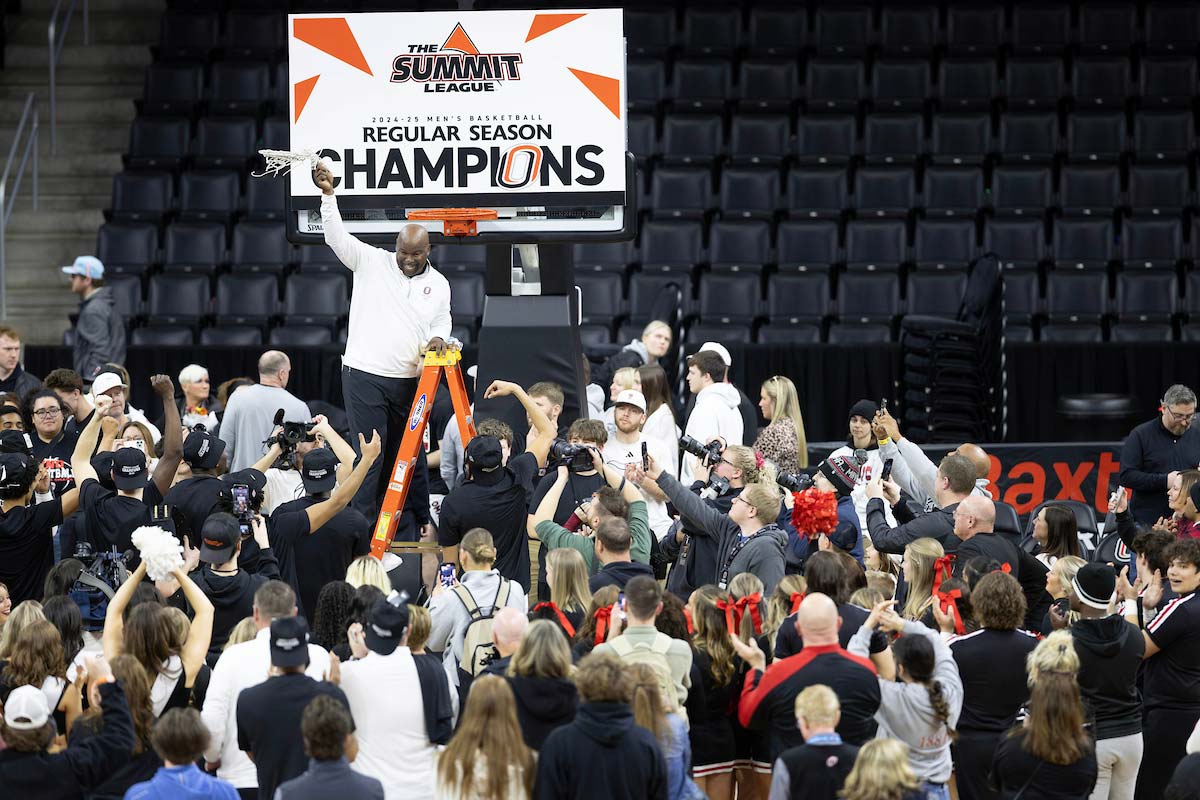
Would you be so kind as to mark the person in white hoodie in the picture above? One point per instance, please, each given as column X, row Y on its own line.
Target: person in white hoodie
column 920, row 709
column 716, row 413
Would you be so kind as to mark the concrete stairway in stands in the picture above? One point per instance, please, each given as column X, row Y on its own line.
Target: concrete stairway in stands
column 97, row 85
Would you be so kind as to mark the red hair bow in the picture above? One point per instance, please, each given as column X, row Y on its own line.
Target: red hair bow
column 735, row 611
column 759, row 462
column 603, row 622
column 814, row 512
column 795, row 598
column 943, row 568
column 687, row 615
column 947, row 601
column 1006, row 568
column 562, row 618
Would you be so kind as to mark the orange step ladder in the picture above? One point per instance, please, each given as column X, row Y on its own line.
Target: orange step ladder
column 414, row 439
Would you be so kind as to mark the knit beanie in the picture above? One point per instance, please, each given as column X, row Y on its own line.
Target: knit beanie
column 842, row 472
column 865, row 409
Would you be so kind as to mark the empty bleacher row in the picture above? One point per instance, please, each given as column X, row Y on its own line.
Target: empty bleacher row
column 850, row 160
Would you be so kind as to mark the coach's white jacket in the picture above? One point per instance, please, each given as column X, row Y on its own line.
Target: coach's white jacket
column 391, row 316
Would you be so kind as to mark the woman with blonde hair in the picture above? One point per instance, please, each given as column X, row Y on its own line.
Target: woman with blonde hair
column 136, row 434
column 37, row 660
column 540, row 675
column 244, row 631
column 668, row 728
column 1058, row 586
column 486, row 759
column 784, row 602
column 881, row 772
column 783, row 440
column 23, row 615
column 752, row 769
column 567, row 575
column 712, row 724
column 1051, row 753
column 919, row 559
column 368, row 570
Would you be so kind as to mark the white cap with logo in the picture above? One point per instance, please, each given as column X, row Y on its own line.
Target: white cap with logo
column 719, row 349
column 632, row 397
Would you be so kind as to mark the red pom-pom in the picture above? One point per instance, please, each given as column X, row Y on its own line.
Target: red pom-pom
column 814, row 512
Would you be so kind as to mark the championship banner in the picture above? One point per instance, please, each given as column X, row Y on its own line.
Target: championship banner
column 475, row 108
column 1026, row 475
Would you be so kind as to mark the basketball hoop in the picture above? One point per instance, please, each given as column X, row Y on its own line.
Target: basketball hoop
column 455, row 221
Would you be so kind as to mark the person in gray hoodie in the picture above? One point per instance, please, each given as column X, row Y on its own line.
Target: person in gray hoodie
column 654, row 344
column 922, row 708
column 100, row 328
column 748, row 540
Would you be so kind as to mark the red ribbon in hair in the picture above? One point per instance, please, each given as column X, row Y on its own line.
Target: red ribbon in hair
column 735, row 611
column 687, row 615
column 814, row 512
column 1006, row 568
column 943, row 568
column 758, row 460
column 947, row 601
column 603, row 622
column 562, row 618
column 795, row 598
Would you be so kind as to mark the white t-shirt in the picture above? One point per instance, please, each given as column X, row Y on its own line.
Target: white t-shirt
column 389, row 720
column 617, row 455
column 283, row 486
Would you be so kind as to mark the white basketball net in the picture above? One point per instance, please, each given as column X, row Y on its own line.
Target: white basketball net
column 280, row 162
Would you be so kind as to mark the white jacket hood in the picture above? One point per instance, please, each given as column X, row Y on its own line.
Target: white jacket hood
column 724, row 393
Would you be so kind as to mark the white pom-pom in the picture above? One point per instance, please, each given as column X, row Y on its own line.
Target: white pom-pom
column 160, row 551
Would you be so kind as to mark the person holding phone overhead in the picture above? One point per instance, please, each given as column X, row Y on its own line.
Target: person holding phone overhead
column 628, row 445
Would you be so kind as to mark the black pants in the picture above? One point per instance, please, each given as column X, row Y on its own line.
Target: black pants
column 248, row 794
column 375, row 403
column 973, row 751
column 1165, row 732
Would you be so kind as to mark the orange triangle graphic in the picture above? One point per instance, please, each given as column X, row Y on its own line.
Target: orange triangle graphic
column 544, row 23
column 458, row 40
column 606, row 89
column 332, row 36
column 304, row 90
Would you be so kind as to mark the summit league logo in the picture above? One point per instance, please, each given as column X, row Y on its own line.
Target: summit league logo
column 456, row 65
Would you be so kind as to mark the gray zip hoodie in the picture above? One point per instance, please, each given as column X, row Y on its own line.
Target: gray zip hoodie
column 905, row 712
column 762, row 553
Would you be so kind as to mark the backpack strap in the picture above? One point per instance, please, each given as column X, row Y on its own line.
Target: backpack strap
column 621, row 646
column 468, row 600
column 499, row 602
column 88, row 579
column 662, row 644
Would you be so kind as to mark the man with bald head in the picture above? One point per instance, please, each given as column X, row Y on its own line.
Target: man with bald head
column 508, row 629
column 915, row 473
column 400, row 308
column 974, row 523
column 768, row 698
column 249, row 417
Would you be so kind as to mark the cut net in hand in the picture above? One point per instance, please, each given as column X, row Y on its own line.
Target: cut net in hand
column 280, row 162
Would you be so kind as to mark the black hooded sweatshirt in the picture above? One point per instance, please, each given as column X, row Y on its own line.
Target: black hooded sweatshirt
column 618, row 573
column 1110, row 653
column 543, row 704
column 232, row 597
column 577, row 760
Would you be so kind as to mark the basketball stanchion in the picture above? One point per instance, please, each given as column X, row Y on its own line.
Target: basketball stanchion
column 414, row 438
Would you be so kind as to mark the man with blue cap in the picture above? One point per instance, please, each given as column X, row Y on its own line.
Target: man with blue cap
column 100, row 329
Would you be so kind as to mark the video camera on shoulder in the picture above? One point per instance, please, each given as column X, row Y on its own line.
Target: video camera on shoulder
column 709, row 454
column 576, row 457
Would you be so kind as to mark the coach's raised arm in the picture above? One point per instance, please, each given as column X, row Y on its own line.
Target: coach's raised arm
column 399, row 309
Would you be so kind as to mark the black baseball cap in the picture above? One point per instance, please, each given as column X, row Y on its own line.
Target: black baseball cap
column 202, row 450
column 129, row 468
column 15, row 442
column 289, row 642
column 484, row 452
column 250, row 477
column 14, row 470
column 319, row 472
column 386, row 624
column 219, row 538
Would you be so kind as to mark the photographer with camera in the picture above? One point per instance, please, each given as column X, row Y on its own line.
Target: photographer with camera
column 837, row 475
column 249, row 413
column 110, row 518
column 495, row 496
column 748, row 540
column 716, row 413
column 317, row 536
column 721, row 473
column 618, row 499
column 288, row 444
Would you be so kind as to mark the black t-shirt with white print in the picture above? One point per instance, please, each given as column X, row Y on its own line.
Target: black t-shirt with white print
column 1171, row 677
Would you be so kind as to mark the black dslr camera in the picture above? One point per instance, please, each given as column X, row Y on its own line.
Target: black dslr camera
column 709, row 454
column 794, row 483
column 293, row 434
column 577, row 457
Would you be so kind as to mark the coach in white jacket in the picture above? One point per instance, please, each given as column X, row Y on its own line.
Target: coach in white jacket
column 715, row 413
column 400, row 308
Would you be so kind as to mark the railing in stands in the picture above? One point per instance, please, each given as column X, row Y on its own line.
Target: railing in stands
column 57, row 38
column 8, row 199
